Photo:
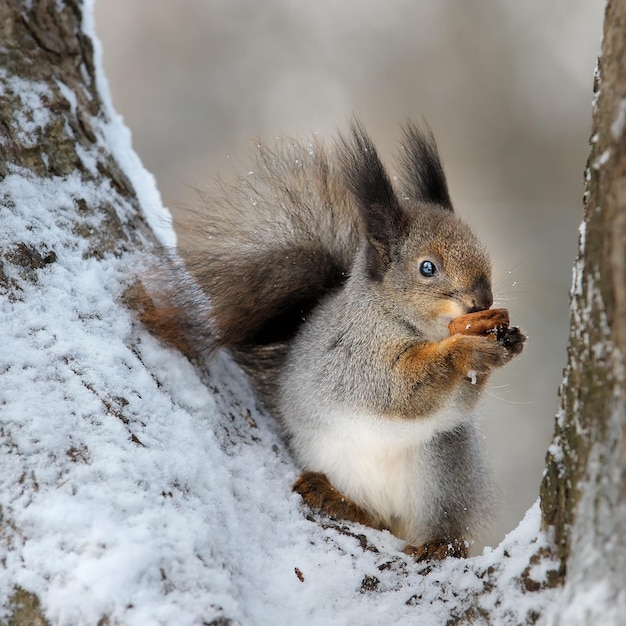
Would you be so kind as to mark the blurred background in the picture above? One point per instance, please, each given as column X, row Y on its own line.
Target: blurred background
column 505, row 85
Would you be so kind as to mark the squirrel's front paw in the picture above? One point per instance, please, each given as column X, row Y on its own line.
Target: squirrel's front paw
column 481, row 354
column 494, row 324
column 512, row 339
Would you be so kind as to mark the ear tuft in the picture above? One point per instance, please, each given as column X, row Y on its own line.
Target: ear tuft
column 423, row 172
column 378, row 205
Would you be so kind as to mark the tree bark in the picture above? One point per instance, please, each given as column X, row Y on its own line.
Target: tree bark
column 45, row 45
column 51, row 117
column 51, row 131
column 583, row 495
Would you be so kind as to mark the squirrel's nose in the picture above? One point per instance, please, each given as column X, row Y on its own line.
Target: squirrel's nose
column 481, row 297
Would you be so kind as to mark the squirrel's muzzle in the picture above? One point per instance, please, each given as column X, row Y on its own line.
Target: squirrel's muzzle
column 480, row 298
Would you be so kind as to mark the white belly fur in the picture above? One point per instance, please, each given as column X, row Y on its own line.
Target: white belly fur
column 379, row 463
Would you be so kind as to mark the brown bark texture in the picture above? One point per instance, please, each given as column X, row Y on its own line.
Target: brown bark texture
column 43, row 49
column 583, row 495
column 45, row 44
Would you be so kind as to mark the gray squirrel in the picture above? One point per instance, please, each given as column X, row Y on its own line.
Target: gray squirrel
column 333, row 288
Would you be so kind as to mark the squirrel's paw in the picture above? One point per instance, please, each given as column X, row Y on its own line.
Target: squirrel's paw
column 438, row 549
column 480, row 354
column 320, row 495
column 512, row 339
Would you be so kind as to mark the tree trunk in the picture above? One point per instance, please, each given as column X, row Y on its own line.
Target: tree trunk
column 136, row 488
column 583, row 495
column 63, row 196
column 50, row 111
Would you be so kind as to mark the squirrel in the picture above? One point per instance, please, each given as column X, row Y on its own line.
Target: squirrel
column 332, row 288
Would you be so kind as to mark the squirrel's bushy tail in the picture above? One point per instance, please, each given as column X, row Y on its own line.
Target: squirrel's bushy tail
column 267, row 248
column 257, row 256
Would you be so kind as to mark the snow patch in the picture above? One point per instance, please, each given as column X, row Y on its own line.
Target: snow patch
column 617, row 127
column 33, row 113
column 602, row 159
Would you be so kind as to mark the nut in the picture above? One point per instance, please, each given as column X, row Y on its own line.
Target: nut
column 480, row 322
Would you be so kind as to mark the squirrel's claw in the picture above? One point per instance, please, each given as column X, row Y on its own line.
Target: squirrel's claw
column 439, row 549
column 512, row 339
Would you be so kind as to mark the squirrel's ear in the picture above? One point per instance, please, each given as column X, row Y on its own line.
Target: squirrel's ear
column 378, row 205
column 423, row 173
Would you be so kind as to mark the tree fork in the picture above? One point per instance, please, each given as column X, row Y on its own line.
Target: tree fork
column 583, row 494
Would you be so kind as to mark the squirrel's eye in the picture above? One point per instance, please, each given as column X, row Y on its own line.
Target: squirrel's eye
column 428, row 269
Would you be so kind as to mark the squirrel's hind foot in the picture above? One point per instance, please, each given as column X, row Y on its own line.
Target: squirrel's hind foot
column 320, row 495
column 439, row 549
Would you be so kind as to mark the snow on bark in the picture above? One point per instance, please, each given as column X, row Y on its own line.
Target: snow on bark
column 584, row 489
